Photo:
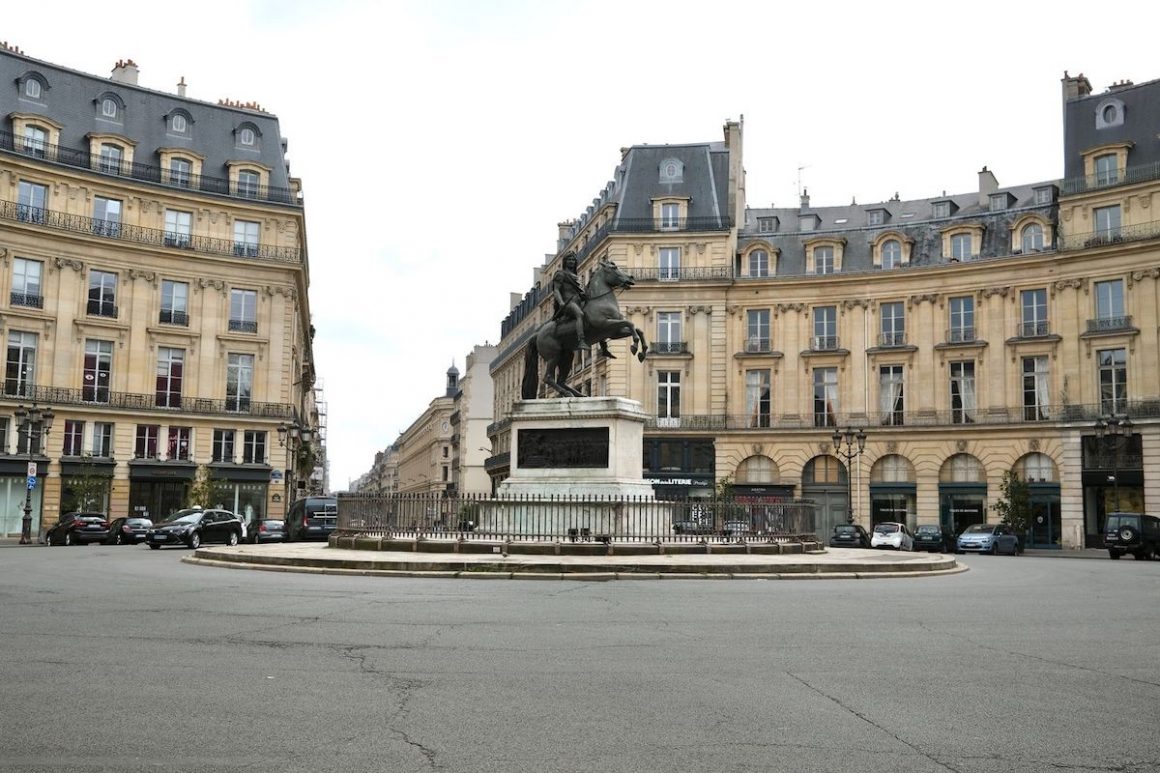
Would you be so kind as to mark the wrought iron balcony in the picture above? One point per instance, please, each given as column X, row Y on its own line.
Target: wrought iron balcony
column 243, row 326
column 99, row 308
column 1036, row 329
column 1109, row 324
column 32, row 300
column 648, row 224
column 130, row 401
column 1108, row 179
column 892, row 338
column 62, row 221
column 172, row 317
column 758, row 346
column 961, row 335
column 1118, row 235
column 669, row 347
column 681, row 273
column 824, row 344
column 156, row 175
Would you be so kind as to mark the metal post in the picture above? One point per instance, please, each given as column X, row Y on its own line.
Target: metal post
column 855, row 444
column 28, row 420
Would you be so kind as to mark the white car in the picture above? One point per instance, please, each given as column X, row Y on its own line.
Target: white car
column 892, row 535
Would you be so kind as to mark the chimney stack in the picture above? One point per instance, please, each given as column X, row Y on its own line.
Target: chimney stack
column 987, row 185
column 805, row 198
column 181, row 87
column 125, row 71
column 1075, row 87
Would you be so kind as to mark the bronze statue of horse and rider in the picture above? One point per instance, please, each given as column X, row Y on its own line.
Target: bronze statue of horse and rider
column 582, row 319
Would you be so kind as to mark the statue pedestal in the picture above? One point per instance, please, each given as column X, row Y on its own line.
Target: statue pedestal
column 576, row 466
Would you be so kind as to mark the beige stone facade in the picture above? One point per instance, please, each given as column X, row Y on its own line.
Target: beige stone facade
column 154, row 294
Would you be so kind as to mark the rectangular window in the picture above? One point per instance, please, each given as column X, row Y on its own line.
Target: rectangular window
column 102, row 439
column 239, row 382
column 757, row 331
column 668, row 333
column 180, row 172
column 223, row 445
column 941, row 209
column 179, row 443
column 1113, row 381
column 146, row 443
column 823, row 260
column 98, row 371
column 170, row 371
column 106, row 217
column 32, row 198
column 962, row 392
column 35, row 140
column 20, row 368
column 254, row 447
column 961, row 248
column 757, row 397
column 890, row 395
column 1043, row 196
column 1107, row 220
column 174, row 302
column 111, row 157
column 178, row 228
column 248, row 183
column 1035, row 396
column 759, row 263
column 1033, row 305
column 825, row 397
column 893, row 320
column 670, row 264
column 246, row 238
column 668, row 398
column 74, row 438
column 766, row 225
column 998, row 202
column 670, row 217
column 875, row 217
column 962, row 320
column 3, row 434
column 26, row 283
column 243, row 311
column 1110, row 303
column 825, row 328
column 102, row 294
column 1107, row 169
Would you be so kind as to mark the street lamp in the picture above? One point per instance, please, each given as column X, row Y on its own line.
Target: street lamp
column 849, row 444
column 292, row 437
column 29, row 421
column 1111, row 428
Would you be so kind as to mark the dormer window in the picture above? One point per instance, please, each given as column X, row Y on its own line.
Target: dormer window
column 807, row 222
column 108, row 107
column 670, row 216
column 999, row 201
column 875, row 217
column 672, row 170
column 1044, row 195
column 1107, row 169
column 32, row 88
column 1109, row 113
column 766, row 225
column 247, row 135
column 941, row 209
column 962, row 242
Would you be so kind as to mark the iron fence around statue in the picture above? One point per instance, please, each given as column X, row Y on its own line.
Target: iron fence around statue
column 575, row 518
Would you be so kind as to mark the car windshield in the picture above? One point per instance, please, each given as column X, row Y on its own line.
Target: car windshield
column 886, row 528
column 927, row 530
column 845, row 530
column 1118, row 521
column 980, row 528
column 183, row 516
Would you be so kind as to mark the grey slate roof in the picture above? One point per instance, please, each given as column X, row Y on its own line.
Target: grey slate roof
column 72, row 99
column 1141, row 103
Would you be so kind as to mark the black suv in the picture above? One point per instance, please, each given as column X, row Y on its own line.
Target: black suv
column 932, row 537
column 1133, row 533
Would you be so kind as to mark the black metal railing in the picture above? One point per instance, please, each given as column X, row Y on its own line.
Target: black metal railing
column 681, row 273
column 892, row 338
column 100, row 308
column 758, row 345
column 1117, row 235
column 243, row 326
column 13, row 392
column 669, row 347
column 62, row 221
column 960, row 335
column 575, row 518
column 648, row 224
column 156, row 175
column 1127, row 176
column 1036, row 329
column 824, row 343
column 172, row 317
column 1109, row 324
column 32, row 300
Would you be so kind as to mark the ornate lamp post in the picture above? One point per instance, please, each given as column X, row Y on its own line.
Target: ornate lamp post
column 292, row 437
column 1110, row 429
column 849, row 444
column 34, row 422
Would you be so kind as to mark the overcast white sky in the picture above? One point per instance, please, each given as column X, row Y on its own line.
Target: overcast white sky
column 440, row 141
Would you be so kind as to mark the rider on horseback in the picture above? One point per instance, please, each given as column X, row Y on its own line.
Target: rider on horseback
column 569, row 296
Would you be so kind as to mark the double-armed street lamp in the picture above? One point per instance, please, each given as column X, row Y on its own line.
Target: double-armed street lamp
column 293, row 437
column 1109, row 430
column 849, row 444
column 34, row 422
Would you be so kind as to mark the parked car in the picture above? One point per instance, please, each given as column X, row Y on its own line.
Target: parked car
column 990, row 538
column 266, row 530
column 193, row 526
column 737, row 529
column 892, row 535
column 78, row 529
column 849, row 535
column 1133, row 533
column 311, row 518
column 128, row 531
column 934, row 538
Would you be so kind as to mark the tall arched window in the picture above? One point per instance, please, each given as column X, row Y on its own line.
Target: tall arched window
column 891, row 253
column 1032, row 237
column 759, row 263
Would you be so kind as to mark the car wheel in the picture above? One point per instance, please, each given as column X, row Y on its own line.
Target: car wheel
column 994, row 549
column 233, row 539
column 195, row 540
column 119, row 539
column 68, row 539
column 155, row 547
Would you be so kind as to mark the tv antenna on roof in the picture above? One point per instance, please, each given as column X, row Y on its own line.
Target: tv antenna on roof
column 799, row 178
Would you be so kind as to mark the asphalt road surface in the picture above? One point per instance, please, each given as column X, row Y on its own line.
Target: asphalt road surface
column 125, row 659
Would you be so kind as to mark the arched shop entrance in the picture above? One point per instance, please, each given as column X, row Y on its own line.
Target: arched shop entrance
column 1042, row 477
column 892, row 491
column 824, row 481
column 962, row 493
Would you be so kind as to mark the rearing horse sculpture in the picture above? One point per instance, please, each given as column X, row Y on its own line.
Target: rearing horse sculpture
column 556, row 340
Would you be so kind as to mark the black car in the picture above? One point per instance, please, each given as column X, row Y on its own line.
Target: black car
column 265, row 530
column 849, row 535
column 128, row 531
column 78, row 529
column 311, row 518
column 1133, row 533
column 193, row 526
column 934, row 538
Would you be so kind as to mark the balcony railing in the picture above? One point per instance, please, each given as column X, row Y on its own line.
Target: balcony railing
column 62, row 221
column 681, row 273
column 758, row 345
column 1126, row 176
column 1036, row 329
column 172, row 317
column 32, row 300
column 961, row 335
column 243, row 326
column 669, row 347
column 824, row 344
column 98, row 308
column 83, row 159
column 143, row 402
column 1118, row 235
column 892, row 338
column 648, row 224
column 1109, row 324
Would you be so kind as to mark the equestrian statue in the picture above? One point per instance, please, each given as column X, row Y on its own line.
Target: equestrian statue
column 582, row 318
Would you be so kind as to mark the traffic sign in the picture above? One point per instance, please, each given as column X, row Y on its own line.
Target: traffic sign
column 32, row 469
column 31, row 482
